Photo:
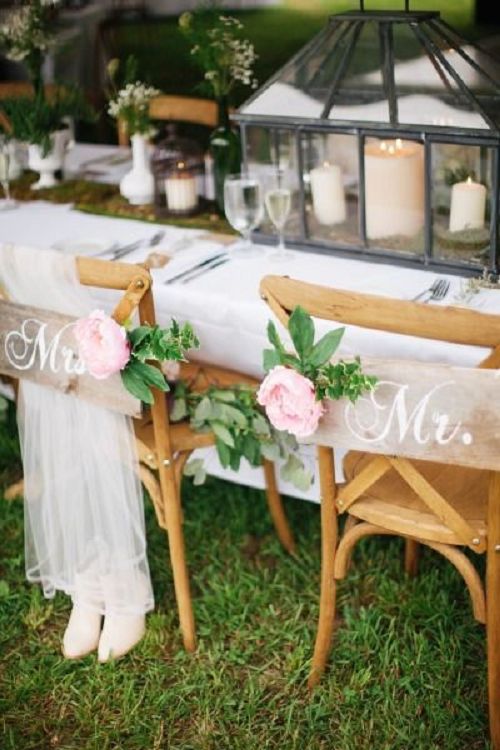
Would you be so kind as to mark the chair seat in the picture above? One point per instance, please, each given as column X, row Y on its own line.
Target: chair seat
column 391, row 503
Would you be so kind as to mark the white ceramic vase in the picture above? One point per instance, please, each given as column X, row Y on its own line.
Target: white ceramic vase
column 138, row 185
column 47, row 165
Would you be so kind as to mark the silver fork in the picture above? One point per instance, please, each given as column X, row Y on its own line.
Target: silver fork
column 124, row 250
column 436, row 292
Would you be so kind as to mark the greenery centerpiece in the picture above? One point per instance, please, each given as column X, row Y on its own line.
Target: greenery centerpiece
column 227, row 61
column 40, row 120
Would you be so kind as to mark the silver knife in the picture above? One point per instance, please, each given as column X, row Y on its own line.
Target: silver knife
column 207, row 268
column 197, row 266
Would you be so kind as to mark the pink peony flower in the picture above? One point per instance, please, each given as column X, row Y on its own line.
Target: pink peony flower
column 102, row 344
column 290, row 401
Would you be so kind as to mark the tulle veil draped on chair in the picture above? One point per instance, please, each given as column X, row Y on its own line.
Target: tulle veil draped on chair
column 84, row 516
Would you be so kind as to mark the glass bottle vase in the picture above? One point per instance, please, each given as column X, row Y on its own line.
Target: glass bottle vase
column 225, row 148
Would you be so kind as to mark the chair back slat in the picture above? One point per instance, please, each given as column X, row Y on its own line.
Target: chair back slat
column 418, row 410
column 453, row 324
column 39, row 346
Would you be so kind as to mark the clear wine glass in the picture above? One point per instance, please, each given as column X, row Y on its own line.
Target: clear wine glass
column 7, row 202
column 244, row 209
column 278, row 200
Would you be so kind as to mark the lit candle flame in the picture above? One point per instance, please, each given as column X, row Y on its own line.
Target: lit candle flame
column 399, row 144
column 392, row 150
column 469, row 180
column 180, row 165
column 383, row 146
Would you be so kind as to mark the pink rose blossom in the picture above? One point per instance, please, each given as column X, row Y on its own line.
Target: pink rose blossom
column 290, row 401
column 102, row 344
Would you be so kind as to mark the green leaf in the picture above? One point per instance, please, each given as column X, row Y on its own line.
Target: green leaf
column 301, row 327
column 223, row 452
column 204, row 410
column 273, row 336
column 179, row 410
column 325, row 347
column 221, row 431
column 271, row 358
column 195, row 469
column 136, row 386
column 294, row 471
column 271, row 451
column 138, row 334
column 149, row 374
column 223, row 395
column 261, row 426
column 234, row 415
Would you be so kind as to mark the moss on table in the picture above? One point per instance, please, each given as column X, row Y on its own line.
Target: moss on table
column 105, row 200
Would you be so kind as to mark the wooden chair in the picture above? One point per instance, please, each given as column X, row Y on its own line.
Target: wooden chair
column 163, row 448
column 178, row 109
column 14, row 89
column 425, row 453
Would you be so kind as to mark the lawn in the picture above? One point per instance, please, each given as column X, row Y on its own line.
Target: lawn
column 408, row 669
column 277, row 34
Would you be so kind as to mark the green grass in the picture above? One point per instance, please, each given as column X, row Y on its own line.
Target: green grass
column 408, row 667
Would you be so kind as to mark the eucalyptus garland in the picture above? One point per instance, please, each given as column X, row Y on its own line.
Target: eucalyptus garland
column 241, row 430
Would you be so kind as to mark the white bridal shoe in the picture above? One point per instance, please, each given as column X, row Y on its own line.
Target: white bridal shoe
column 119, row 635
column 82, row 633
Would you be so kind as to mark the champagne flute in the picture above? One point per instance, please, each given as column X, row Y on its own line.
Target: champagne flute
column 243, row 208
column 7, row 202
column 278, row 200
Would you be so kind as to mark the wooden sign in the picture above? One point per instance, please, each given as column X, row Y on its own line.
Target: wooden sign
column 39, row 345
column 418, row 410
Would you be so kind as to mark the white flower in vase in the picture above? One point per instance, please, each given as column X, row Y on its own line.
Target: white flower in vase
column 130, row 105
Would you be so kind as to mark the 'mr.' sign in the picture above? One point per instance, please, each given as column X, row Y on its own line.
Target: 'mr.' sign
column 418, row 410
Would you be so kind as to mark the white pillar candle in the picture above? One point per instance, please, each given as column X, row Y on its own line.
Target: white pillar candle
column 468, row 206
column 328, row 197
column 394, row 185
column 181, row 191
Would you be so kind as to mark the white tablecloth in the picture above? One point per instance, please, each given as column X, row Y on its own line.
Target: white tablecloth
column 224, row 304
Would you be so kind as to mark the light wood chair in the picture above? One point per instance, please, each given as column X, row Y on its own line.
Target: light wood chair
column 163, row 448
column 17, row 89
column 425, row 453
column 178, row 109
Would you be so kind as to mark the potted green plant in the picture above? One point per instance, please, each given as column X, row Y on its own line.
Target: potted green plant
column 39, row 121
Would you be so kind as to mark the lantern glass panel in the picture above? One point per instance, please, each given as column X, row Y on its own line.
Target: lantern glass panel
column 395, row 195
column 482, row 78
column 461, row 195
column 331, row 187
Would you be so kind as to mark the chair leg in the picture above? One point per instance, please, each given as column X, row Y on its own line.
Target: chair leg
column 328, row 584
column 412, row 555
column 276, row 509
column 493, row 609
column 173, row 517
column 14, row 491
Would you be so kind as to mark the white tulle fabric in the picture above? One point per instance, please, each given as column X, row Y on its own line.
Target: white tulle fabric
column 84, row 515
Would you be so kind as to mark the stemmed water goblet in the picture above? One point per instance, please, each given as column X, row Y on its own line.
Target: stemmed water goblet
column 244, row 209
column 278, row 201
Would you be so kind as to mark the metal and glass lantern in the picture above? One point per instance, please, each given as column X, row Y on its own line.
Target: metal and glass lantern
column 386, row 127
column 179, row 171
